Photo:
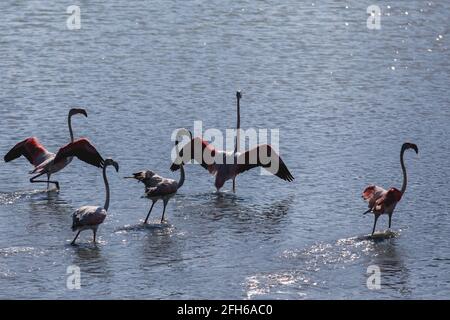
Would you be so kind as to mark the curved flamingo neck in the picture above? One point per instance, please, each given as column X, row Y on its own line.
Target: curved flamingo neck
column 405, row 177
column 182, row 176
column 238, row 127
column 69, row 120
column 105, row 179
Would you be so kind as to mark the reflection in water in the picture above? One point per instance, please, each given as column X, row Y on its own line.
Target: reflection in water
column 144, row 227
column 8, row 198
column 394, row 273
column 162, row 252
column 243, row 217
column 85, row 251
column 89, row 258
column 49, row 206
column 322, row 260
column 379, row 236
column 278, row 208
column 156, row 239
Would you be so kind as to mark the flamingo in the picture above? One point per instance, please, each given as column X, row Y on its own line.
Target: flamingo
column 40, row 157
column 88, row 217
column 383, row 201
column 159, row 188
column 232, row 163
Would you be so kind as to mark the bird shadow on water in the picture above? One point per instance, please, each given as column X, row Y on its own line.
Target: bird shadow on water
column 88, row 256
column 229, row 203
column 239, row 214
column 152, row 228
column 51, row 205
column 85, row 250
column 46, row 215
column 379, row 236
column 345, row 251
column 319, row 263
column 390, row 259
column 158, row 245
column 141, row 226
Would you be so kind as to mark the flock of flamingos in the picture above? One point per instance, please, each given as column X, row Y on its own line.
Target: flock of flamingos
column 380, row 201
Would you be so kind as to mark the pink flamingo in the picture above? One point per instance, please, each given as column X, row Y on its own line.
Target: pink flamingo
column 88, row 217
column 232, row 163
column 383, row 201
column 40, row 157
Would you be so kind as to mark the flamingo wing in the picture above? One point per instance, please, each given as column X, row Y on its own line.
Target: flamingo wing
column 44, row 165
column 199, row 150
column 373, row 193
column 166, row 187
column 31, row 149
column 388, row 200
column 83, row 150
column 264, row 156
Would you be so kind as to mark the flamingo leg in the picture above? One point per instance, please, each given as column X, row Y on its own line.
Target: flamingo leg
column 148, row 215
column 95, row 234
column 33, row 180
column 73, row 241
column 375, row 223
column 390, row 218
column 164, row 210
column 234, row 185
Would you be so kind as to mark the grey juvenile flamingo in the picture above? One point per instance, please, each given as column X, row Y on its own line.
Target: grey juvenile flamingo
column 157, row 187
column 88, row 217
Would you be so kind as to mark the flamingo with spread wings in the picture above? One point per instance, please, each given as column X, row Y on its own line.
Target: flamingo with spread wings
column 42, row 160
column 381, row 201
column 227, row 165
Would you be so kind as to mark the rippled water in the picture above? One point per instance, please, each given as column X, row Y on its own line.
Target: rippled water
column 344, row 98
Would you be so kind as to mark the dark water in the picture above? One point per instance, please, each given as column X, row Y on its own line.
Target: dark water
column 344, row 98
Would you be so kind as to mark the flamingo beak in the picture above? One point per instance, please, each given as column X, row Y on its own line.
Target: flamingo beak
column 83, row 112
column 415, row 148
column 77, row 111
column 132, row 178
column 116, row 166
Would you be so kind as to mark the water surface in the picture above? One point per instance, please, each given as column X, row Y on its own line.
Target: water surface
column 343, row 97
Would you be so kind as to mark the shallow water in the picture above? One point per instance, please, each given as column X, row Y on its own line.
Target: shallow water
column 344, row 98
